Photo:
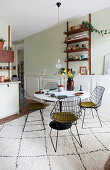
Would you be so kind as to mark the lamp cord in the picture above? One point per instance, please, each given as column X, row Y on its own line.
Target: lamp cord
column 58, row 49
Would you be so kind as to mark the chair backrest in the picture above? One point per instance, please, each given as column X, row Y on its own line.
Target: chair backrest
column 24, row 97
column 69, row 104
column 51, row 85
column 96, row 95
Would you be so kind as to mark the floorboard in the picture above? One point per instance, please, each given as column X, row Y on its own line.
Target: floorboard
column 9, row 118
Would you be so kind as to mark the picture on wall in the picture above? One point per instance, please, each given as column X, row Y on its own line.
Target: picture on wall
column 83, row 70
column 107, row 64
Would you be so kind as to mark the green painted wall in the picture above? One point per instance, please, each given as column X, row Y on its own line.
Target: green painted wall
column 40, row 50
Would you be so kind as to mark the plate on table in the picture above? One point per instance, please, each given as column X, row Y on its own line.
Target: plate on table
column 61, row 96
column 79, row 93
column 39, row 92
column 52, row 89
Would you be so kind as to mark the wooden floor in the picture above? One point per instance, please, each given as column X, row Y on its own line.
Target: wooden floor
column 9, row 118
column 16, row 116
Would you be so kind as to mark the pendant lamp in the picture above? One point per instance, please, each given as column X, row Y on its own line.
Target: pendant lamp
column 58, row 65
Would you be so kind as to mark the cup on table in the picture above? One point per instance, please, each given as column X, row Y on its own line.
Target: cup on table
column 61, row 88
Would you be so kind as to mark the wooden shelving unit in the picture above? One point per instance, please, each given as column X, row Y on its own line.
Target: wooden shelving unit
column 78, row 50
column 6, row 69
column 6, row 56
column 70, row 41
column 76, row 40
column 77, row 60
column 75, row 31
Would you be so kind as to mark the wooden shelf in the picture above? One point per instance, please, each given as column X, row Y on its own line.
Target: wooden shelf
column 73, row 40
column 78, row 50
column 7, row 69
column 76, row 40
column 76, row 31
column 77, row 60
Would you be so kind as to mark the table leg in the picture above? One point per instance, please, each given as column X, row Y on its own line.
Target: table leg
column 60, row 103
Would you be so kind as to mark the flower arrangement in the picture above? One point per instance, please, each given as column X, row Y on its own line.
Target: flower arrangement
column 64, row 73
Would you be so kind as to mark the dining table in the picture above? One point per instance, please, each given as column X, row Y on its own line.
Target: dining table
column 55, row 95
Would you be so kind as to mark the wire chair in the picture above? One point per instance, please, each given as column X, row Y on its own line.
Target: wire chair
column 51, row 86
column 31, row 105
column 93, row 102
column 64, row 114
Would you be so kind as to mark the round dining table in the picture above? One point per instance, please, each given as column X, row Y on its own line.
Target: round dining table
column 54, row 95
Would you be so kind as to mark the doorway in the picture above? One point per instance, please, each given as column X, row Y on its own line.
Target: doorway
column 20, row 59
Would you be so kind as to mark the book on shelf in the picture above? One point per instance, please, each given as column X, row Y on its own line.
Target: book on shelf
column 81, row 36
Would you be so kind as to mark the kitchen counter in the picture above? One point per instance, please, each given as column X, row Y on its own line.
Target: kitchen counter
column 9, row 98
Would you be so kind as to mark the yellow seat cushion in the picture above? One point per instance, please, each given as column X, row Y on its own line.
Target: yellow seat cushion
column 35, row 106
column 88, row 104
column 64, row 117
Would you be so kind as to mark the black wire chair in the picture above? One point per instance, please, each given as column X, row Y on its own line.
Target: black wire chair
column 51, row 86
column 93, row 102
column 31, row 105
column 64, row 114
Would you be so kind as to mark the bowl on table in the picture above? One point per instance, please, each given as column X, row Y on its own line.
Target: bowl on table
column 79, row 93
column 61, row 88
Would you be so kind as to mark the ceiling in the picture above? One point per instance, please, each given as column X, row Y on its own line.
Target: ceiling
column 27, row 17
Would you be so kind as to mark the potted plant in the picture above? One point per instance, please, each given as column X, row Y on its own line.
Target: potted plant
column 93, row 29
column 1, row 43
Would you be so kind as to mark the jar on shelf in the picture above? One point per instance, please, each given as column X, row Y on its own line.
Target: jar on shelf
column 77, row 46
column 84, row 46
column 68, row 48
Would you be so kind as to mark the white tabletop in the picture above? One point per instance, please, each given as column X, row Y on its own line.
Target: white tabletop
column 65, row 92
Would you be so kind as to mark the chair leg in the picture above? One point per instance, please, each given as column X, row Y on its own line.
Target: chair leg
column 83, row 117
column 54, row 147
column 79, row 142
column 92, row 113
column 98, row 117
column 41, row 113
column 26, row 120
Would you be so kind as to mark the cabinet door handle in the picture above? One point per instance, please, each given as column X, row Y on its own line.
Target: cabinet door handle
column 7, row 85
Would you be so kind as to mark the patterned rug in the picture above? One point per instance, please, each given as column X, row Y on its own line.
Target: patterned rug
column 32, row 149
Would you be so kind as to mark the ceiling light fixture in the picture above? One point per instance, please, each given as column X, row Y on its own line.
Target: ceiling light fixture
column 58, row 65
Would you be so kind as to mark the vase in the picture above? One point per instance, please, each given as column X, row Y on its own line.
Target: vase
column 1, row 45
column 70, row 84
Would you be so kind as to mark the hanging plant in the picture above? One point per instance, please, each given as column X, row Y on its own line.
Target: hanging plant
column 91, row 27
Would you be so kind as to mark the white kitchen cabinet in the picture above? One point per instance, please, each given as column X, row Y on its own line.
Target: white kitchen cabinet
column 9, row 99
